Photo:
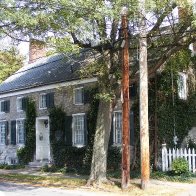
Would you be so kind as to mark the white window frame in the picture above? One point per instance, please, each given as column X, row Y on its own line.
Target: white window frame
column 74, row 94
column 182, row 85
column 17, row 132
column 74, row 136
column 1, row 112
column 19, row 101
column 115, row 131
column 40, row 101
column 3, row 122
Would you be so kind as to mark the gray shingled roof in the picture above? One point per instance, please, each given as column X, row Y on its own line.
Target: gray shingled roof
column 49, row 70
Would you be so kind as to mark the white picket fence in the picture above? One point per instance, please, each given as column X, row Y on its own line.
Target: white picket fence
column 168, row 155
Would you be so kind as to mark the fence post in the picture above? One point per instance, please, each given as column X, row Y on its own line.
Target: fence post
column 164, row 158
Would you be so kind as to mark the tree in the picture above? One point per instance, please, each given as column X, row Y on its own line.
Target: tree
column 95, row 25
column 10, row 62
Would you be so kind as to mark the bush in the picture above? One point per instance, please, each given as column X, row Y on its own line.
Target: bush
column 180, row 166
column 10, row 167
column 114, row 158
column 47, row 168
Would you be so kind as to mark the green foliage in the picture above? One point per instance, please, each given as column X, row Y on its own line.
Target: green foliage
column 114, row 158
column 183, row 110
column 57, row 122
column 49, row 168
column 25, row 154
column 10, row 62
column 192, row 143
column 10, row 167
column 73, row 159
column 168, row 176
column 180, row 166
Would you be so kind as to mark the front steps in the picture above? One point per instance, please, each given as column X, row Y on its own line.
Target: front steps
column 38, row 163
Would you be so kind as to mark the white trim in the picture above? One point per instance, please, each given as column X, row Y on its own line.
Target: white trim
column 47, row 87
column 78, row 114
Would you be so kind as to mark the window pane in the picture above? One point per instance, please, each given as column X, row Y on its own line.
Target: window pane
column 2, row 133
column 20, row 131
column 182, row 88
column 78, row 129
column 43, row 101
column 19, row 104
column 117, row 127
column 78, row 96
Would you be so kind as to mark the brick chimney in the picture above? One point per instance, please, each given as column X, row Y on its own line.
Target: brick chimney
column 37, row 50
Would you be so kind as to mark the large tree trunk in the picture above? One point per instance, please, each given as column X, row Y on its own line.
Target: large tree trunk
column 101, row 140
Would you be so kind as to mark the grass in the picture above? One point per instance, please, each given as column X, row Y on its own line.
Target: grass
column 158, row 175
column 10, row 167
column 71, row 183
column 168, row 176
column 43, row 180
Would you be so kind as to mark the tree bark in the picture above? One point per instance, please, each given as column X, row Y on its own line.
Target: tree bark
column 101, row 140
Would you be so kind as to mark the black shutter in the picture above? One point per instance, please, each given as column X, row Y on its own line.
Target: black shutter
column 24, row 103
column 112, row 131
column 131, row 128
column 24, row 131
column 2, row 106
column 85, row 130
column 6, row 133
column 13, row 132
column 68, row 130
column 50, row 100
column 132, row 91
column 86, row 96
column 7, row 106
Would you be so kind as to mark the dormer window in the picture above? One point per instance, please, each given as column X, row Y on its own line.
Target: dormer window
column 182, row 86
column 78, row 96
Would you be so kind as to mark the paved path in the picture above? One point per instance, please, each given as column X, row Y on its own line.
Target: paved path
column 13, row 189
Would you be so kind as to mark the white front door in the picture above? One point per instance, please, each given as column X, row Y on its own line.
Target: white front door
column 42, row 139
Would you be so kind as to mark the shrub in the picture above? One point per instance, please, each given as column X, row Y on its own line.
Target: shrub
column 114, row 158
column 10, row 167
column 180, row 166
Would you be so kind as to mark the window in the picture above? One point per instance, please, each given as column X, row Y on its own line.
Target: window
column 78, row 129
column 117, row 127
column 20, row 131
column 4, row 106
column 42, row 101
column 46, row 100
column 182, row 86
column 19, row 103
column 2, row 133
column 78, row 96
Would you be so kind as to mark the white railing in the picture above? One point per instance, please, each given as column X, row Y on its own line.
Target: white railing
column 168, row 155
